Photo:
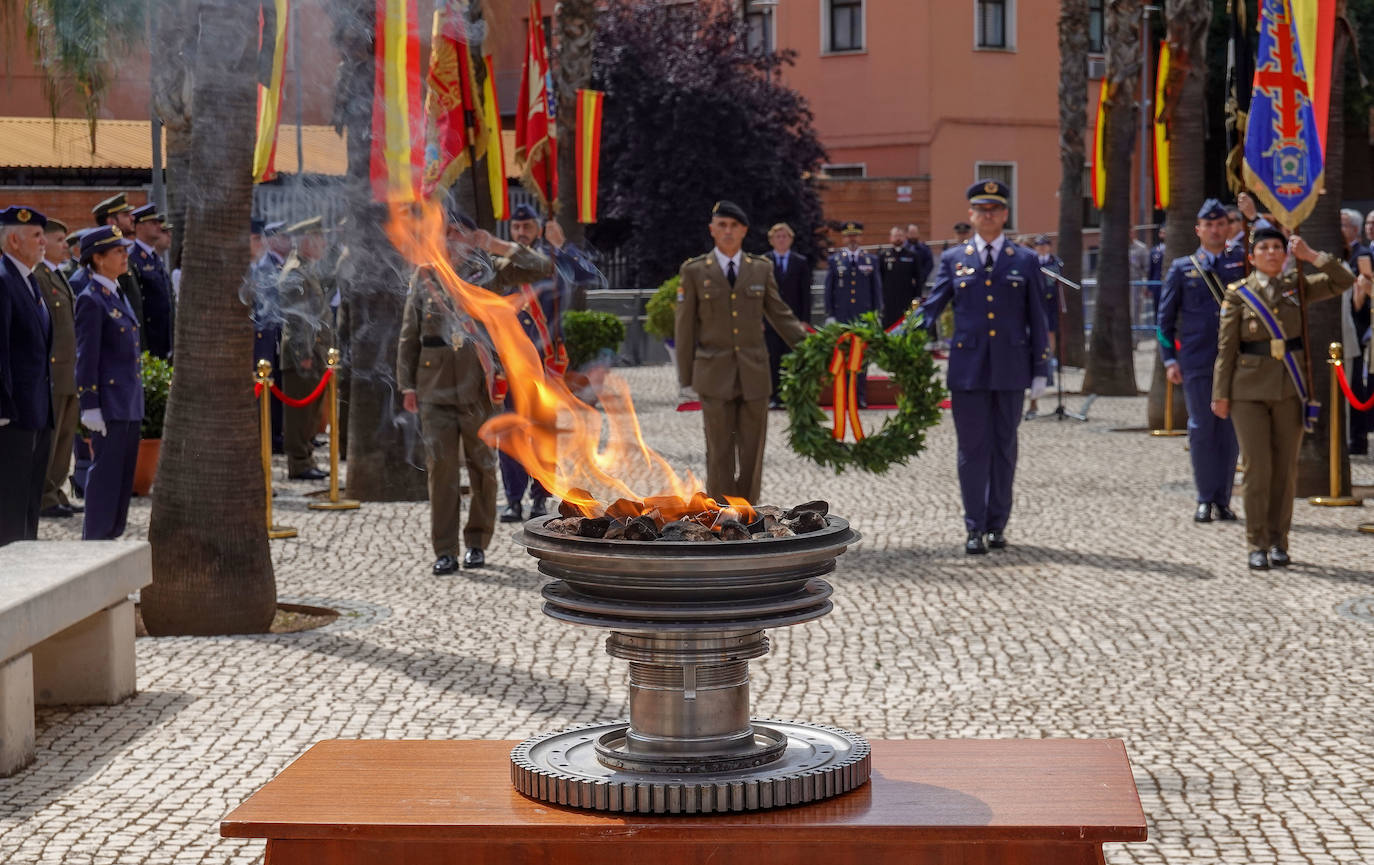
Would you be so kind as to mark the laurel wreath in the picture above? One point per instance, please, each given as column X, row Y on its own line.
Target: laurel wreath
column 904, row 355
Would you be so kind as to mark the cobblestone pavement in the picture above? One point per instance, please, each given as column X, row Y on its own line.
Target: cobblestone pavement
column 1245, row 699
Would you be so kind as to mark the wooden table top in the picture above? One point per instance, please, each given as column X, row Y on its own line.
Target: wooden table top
column 921, row 789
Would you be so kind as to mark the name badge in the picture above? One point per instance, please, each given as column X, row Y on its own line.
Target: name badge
column 757, row 289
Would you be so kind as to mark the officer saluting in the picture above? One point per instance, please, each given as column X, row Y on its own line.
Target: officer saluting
column 999, row 348
column 1259, row 381
column 722, row 300
column 853, row 286
column 1189, row 312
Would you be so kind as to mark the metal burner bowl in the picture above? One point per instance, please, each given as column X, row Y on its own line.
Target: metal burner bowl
column 688, row 616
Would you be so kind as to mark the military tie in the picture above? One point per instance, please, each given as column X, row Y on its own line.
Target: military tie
column 730, row 273
column 987, row 261
column 38, row 299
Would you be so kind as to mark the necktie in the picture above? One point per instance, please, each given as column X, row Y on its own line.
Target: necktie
column 730, row 273
column 38, row 299
column 782, row 262
column 987, row 260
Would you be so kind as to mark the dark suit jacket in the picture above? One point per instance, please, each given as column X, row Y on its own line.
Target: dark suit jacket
column 25, row 379
column 795, row 284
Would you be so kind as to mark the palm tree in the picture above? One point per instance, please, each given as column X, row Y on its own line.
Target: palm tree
column 172, row 48
column 1184, row 109
column 1073, row 119
column 212, row 572
column 1111, row 362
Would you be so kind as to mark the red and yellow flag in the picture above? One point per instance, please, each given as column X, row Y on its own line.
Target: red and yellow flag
column 1161, row 132
column 536, row 143
column 1315, row 21
column 398, row 128
column 452, row 123
column 495, row 148
column 272, row 18
column 588, row 152
column 1100, row 147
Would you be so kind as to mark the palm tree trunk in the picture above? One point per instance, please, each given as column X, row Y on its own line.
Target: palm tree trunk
column 173, row 50
column 212, row 572
column 1073, row 119
column 1111, row 361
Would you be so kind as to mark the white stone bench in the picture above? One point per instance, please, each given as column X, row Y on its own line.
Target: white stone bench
column 66, row 631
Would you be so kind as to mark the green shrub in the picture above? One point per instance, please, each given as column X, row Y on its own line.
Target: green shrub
column 588, row 334
column 660, row 313
column 157, row 384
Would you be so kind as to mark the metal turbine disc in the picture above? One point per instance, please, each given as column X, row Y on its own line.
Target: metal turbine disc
column 562, row 768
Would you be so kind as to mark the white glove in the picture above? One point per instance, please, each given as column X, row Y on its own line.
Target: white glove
column 830, row 319
column 1038, row 386
column 93, row 420
column 4, row 421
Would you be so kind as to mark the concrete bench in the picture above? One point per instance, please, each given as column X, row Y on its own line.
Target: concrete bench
column 66, row 631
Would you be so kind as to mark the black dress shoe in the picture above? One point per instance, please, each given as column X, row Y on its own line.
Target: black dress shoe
column 57, row 512
column 997, row 540
column 76, row 509
column 512, row 514
column 975, row 546
column 1278, row 557
column 538, row 509
column 309, row 475
column 1259, row 561
column 1225, row 513
column 775, row 405
column 474, row 558
column 445, row 565
column 1203, row 513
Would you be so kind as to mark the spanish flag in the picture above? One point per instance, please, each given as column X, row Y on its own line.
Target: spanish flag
column 398, row 129
column 536, row 143
column 1100, row 147
column 1161, row 131
column 495, row 149
column 452, row 120
column 588, row 152
column 272, row 18
column 1315, row 21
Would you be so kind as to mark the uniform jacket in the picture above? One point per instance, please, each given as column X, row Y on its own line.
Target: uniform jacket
column 155, row 285
column 721, row 352
column 57, row 294
column 570, row 266
column 133, row 295
column 999, row 340
column 108, row 355
column 306, row 317
column 853, row 285
column 1049, row 298
column 264, row 274
column 794, row 284
column 1262, row 377
column 1189, row 312
column 25, row 379
column 902, row 280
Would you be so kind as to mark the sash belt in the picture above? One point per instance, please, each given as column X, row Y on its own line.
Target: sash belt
column 1261, row 347
column 440, row 342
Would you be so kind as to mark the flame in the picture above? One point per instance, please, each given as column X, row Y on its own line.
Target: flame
column 580, row 454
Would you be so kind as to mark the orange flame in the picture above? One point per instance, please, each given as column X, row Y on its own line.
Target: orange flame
column 580, row 454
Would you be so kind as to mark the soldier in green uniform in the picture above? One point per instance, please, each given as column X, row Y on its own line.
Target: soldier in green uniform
column 306, row 339
column 57, row 294
column 723, row 298
column 448, row 374
column 1259, row 381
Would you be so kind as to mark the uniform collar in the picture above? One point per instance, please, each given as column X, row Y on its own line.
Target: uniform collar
column 723, row 260
column 979, row 244
column 24, row 269
column 145, row 247
column 105, row 281
column 52, row 265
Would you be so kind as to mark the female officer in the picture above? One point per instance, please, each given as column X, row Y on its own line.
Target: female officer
column 108, row 382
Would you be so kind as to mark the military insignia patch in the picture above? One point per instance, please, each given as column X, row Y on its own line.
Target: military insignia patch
column 23, row 215
column 114, row 313
column 968, row 250
column 990, row 187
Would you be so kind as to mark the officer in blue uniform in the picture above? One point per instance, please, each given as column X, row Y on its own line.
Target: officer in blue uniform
column 108, row 382
column 1188, row 322
column 263, row 274
column 154, row 282
column 999, row 348
column 853, row 286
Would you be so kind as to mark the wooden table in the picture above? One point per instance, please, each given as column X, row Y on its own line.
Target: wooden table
column 951, row 802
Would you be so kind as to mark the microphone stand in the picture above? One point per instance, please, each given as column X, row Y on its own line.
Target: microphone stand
column 1061, row 413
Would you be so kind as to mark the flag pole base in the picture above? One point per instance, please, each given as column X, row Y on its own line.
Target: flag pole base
column 1335, row 501
column 1168, row 433
column 278, row 532
column 1367, row 528
column 340, row 505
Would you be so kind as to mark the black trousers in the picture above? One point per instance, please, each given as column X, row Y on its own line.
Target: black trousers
column 23, row 468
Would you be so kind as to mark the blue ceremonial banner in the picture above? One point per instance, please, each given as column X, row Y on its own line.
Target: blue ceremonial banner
column 1283, row 155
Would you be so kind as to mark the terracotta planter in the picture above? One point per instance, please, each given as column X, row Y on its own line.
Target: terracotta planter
column 145, row 470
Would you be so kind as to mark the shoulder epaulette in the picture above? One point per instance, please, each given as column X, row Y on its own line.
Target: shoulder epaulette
column 694, row 259
column 759, row 258
column 1235, row 285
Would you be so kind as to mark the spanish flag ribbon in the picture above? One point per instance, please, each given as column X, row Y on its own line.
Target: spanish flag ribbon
column 588, row 152
column 397, row 157
column 272, row 18
column 845, row 363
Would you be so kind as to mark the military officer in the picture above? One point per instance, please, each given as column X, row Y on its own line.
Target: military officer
column 999, row 348
column 57, row 294
column 449, row 375
column 26, row 417
column 853, row 286
column 923, row 255
column 263, row 274
column 1045, row 258
column 155, row 283
column 1189, row 312
column 117, row 211
column 723, row 298
column 72, row 263
column 1259, row 380
column 109, row 386
column 306, row 340
column 901, row 276
column 792, row 272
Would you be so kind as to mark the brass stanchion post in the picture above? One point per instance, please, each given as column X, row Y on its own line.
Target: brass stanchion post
column 1335, row 500
column 1168, row 430
column 264, row 381
column 335, row 503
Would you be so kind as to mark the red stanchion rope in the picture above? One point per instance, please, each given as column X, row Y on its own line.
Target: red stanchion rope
column 257, row 390
column 298, row 403
column 1349, row 394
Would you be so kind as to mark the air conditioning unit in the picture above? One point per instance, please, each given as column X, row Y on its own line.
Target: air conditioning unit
column 1097, row 68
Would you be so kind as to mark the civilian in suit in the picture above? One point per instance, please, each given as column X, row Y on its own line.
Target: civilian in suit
column 154, row 281
column 109, row 384
column 57, row 294
column 913, row 239
column 26, row 419
column 999, row 348
column 792, row 272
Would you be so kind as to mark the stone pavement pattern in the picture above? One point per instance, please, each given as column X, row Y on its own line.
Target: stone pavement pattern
column 1245, row 699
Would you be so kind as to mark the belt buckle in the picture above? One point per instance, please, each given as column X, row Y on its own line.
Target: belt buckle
column 1277, row 349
